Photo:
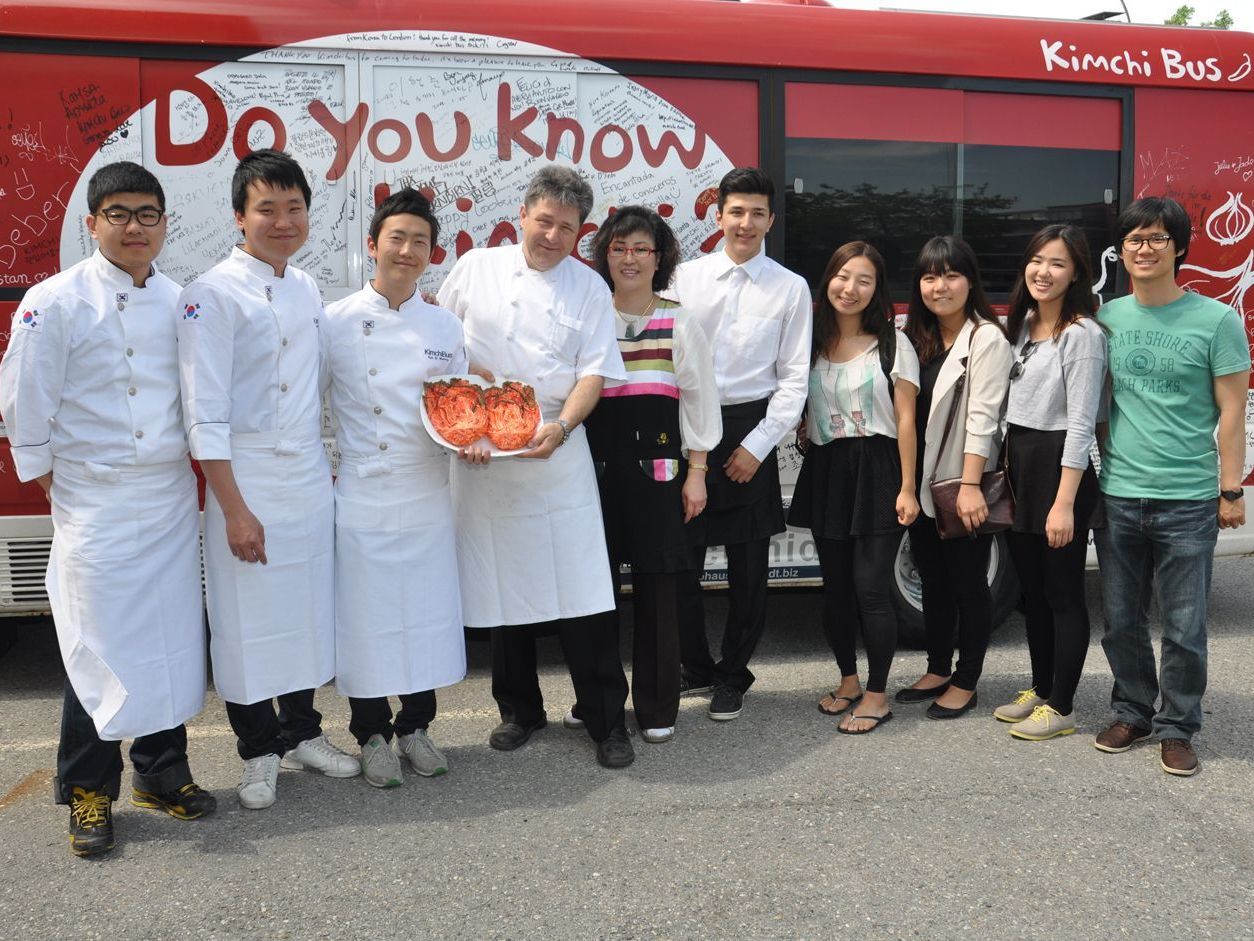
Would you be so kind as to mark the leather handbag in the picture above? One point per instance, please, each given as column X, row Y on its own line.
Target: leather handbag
column 993, row 484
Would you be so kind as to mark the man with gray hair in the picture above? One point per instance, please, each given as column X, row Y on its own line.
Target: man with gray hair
column 531, row 549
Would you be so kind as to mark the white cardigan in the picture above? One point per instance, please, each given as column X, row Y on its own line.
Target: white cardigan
column 979, row 411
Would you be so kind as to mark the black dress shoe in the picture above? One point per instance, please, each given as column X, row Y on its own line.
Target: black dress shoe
column 615, row 750
column 937, row 711
column 910, row 694
column 510, row 735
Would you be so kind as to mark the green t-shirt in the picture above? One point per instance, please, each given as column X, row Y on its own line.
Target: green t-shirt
column 1163, row 361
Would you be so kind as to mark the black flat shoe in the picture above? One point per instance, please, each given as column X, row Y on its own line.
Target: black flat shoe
column 616, row 750
column 510, row 735
column 937, row 711
column 910, row 694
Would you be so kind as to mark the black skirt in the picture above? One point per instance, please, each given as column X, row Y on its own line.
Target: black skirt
column 1034, row 466
column 738, row 513
column 848, row 488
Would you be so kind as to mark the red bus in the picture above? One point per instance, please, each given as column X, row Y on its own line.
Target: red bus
column 880, row 125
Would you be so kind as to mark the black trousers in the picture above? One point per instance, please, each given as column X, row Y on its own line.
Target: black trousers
column 655, row 648
column 857, row 590
column 590, row 645
column 261, row 732
column 159, row 760
column 1056, row 612
column 374, row 716
column 748, row 564
column 954, row 573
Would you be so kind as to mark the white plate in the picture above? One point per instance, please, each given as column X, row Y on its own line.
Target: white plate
column 483, row 384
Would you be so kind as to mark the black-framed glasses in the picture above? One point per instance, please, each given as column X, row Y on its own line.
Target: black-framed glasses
column 1158, row 241
column 622, row 251
column 1016, row 370
column 147, row 216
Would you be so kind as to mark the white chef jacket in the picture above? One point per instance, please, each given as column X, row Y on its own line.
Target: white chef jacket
column 757, row 317
column 119, row 403
column 549, row 328
column 248, row 354
column 378, row 359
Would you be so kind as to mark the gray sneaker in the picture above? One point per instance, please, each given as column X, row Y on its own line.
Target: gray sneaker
column 1020, row 707
column 379, row 764
column 425, row 758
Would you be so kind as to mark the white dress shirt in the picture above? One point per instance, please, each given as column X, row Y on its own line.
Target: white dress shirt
column 378, row 360
column 91, row 373
column 757, row 318
column 248, row 354
column 549, row 328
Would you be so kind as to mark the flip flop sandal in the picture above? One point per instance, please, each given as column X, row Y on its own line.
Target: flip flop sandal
column 879, row 720
column 850, row 702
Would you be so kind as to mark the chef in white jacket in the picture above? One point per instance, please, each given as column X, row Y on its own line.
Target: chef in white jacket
column 531, row 547
column 398, row 612
column 90, row 396
column 249, row 360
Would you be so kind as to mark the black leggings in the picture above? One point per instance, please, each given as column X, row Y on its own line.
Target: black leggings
column 857, row 585
column 1056, row 612
column 954, row 573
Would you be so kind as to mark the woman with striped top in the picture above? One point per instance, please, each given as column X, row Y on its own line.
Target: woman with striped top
column 650, row 437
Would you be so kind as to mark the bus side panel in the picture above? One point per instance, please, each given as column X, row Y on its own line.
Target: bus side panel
column 1198, row 148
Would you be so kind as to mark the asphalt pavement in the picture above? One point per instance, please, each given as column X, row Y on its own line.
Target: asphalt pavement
column 771, row 826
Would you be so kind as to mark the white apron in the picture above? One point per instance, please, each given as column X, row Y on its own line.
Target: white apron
column 124, row 584
column 398, row 614
column 530, row 544
column 272, row 627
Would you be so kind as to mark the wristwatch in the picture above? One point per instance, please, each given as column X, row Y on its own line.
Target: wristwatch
column 565, row 425
column 1232, row 496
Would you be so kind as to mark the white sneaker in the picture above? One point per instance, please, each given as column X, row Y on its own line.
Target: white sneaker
column 572, row 721
column 318, row 754
column 257, row 787
column 379, row 763
column 422, row 754
column 657, row 736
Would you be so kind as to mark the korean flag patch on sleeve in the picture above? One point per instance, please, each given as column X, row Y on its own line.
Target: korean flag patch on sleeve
column 29, row 319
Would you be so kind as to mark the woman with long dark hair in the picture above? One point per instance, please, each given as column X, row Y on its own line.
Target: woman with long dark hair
column 964, row 365
column 1055, row 387
column 856, row 488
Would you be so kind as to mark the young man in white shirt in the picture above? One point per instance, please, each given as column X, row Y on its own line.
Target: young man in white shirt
column 757, row 316
column 249, row 361
column 531, row 545
column 90, row 396
column 398, row 613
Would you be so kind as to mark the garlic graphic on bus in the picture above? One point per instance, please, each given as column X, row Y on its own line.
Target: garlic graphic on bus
column 1231, row 222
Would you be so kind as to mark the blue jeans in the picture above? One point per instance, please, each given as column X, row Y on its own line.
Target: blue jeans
column 1163, row 547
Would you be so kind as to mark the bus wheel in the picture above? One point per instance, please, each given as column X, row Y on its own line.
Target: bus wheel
column 908, row 591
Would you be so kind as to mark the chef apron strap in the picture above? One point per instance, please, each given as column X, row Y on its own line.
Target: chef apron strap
column 83, row 760
column 159, row 761
column 590, row 645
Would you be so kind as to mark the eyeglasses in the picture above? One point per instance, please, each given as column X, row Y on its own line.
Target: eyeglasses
column 1158, row 241
column 1028, row 349
column 120, row 215
column 622, row 251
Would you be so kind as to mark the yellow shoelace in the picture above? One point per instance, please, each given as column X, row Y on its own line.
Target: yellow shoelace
column 1042, row 714
column 89, row 808
column 1025, row 696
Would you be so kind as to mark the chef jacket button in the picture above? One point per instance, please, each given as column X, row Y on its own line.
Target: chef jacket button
column 129, row 351
column 373, row 371
column 285, row 341
column 131, row 391
column 378, row 409
column 283, row 388
column 383, row 445
column 139, row 434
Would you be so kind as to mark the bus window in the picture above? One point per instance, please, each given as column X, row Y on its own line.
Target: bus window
column 896, row 166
